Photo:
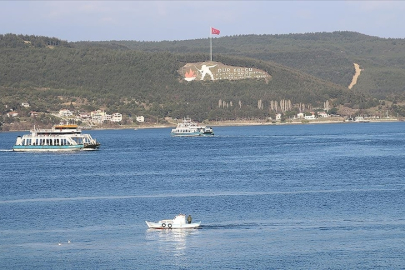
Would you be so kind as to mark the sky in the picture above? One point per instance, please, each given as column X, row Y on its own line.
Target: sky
column 78, row 20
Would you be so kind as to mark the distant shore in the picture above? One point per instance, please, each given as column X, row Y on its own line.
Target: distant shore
column 335, row 120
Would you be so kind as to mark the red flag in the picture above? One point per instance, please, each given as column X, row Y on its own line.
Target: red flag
column 214, row 31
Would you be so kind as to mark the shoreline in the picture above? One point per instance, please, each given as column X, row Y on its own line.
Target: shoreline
column 255, row 123
column 238, row 123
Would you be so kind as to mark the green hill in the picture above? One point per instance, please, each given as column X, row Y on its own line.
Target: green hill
column 329, row 56
column 141, row 78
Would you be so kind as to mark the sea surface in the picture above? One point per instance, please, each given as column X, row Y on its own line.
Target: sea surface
column 329, row 196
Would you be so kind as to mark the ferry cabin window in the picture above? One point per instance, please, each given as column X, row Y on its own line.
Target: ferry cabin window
column 78, row 140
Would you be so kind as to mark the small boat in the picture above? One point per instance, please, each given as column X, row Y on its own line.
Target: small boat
column 188, row 128
column 59, row 138
column 360, row 119
column 179, row 222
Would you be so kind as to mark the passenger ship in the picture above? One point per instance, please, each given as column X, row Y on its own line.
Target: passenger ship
column 59, row 138
column 187, row 128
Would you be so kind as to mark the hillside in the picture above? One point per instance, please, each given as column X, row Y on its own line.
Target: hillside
column 141, row 78
column 329, row 56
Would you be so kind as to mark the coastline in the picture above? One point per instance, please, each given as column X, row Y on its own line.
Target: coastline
column 339, row 120
column 231, row 123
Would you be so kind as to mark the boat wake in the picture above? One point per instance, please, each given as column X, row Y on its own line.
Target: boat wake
column 6, row 150
column 231, row 226
column 254, row 193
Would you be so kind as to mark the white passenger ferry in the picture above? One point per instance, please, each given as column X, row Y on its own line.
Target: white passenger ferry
column 190, row 129
column 59, row 138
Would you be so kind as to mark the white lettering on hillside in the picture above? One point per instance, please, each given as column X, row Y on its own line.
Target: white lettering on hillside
column 238, row 73
column 218, row 71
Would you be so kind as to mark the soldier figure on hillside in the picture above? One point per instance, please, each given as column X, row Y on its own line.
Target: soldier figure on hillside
column 206, row 70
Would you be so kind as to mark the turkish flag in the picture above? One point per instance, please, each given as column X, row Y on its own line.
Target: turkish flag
column 214, row 31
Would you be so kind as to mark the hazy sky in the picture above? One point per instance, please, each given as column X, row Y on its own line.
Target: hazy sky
column 181, row 20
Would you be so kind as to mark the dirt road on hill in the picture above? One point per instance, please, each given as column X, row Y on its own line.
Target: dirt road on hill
column 355, row 76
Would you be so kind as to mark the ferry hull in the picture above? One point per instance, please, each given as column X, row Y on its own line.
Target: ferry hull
column 59, row 138
column 90, row 147
column 46, row 148
column 190, row 134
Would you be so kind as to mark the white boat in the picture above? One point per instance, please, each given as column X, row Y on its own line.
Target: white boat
column 188, row 128
column 360, row 119
column 59, row 138
column 179, row 222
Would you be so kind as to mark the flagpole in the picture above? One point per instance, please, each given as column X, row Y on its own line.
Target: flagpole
column 211, row 44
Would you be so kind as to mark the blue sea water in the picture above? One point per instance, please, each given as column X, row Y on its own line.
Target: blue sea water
column 327, row 196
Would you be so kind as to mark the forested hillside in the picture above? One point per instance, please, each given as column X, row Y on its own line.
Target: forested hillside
column 141, row 78
column 329, row 56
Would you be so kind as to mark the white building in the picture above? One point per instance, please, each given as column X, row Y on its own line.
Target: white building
column 25, row 104
column 98, row 116
column 310, row 117
column 116, row 117
column 107, row 117
column 140, row 119
column 323, row 114
column 84, row 116
column 101, row 116
column 65, row 113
